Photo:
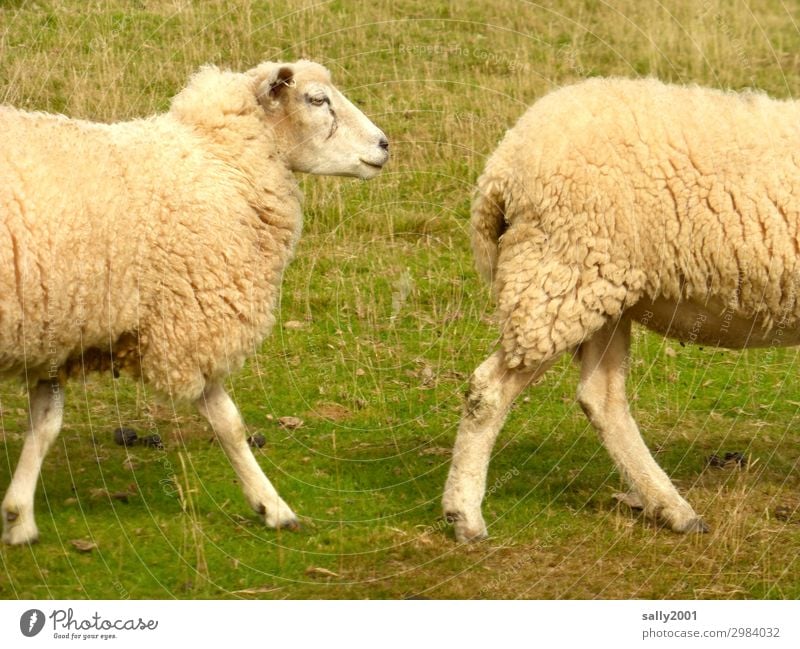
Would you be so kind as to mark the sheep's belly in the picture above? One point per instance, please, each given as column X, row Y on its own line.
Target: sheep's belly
column 711, row 324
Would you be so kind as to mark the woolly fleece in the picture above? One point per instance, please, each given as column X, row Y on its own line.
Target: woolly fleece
column 162, row 241
column 612, row 190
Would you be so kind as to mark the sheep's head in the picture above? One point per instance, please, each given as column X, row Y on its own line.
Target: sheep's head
column 318, row 130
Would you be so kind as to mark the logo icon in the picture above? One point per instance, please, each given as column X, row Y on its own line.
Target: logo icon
column 31, row 622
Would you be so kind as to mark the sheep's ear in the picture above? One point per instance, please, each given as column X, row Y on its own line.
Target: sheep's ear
column 273, row 87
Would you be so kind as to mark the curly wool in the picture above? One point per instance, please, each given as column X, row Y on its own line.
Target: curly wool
column 158, row 244
column 613, row 190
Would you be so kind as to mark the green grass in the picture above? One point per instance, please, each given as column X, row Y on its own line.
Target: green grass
column 393, row 320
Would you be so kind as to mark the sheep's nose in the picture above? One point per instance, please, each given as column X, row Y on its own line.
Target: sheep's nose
column 384, row 144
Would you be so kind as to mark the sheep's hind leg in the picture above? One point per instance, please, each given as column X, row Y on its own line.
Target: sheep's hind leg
column 601, row 393
column 223, row 415
column 493, row 388
column 46, row 415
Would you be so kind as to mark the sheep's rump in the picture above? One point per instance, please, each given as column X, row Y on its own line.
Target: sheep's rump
column 613, row 190
column 127, row 242
column 59, row 250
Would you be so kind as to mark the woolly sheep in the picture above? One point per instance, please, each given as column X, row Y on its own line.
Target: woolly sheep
column 614, row 201
column 157, row 246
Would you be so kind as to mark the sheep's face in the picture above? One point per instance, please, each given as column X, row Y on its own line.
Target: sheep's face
column 318, row 130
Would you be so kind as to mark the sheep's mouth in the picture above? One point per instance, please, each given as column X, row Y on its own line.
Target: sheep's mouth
column 374, row 165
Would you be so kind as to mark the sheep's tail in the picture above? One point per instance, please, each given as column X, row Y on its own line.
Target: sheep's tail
column 487, row 225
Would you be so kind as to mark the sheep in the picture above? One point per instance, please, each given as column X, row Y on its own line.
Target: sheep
column 614, row 201
column 157, row 246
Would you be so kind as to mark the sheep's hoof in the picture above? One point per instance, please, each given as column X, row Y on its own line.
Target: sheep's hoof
column 18, row 532
column 283, row 519
column 680, row 518
column 695, row 525
column 19, row 539
column 467, row 531
column 290, row 525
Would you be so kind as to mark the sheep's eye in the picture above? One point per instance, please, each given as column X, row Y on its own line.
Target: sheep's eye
column 319, row 100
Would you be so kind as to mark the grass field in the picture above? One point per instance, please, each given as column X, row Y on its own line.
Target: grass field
column 383, row 318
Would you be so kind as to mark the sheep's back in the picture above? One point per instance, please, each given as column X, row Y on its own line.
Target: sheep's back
column 107, row 227
column 680, row 192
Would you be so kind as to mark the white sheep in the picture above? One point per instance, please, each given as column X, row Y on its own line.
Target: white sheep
column 614, row 201
column 158, row 246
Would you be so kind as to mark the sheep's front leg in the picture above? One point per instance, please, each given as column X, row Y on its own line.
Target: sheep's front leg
column 223, row 415
column 601, row 393
column 46, row 415
column 493, row 388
